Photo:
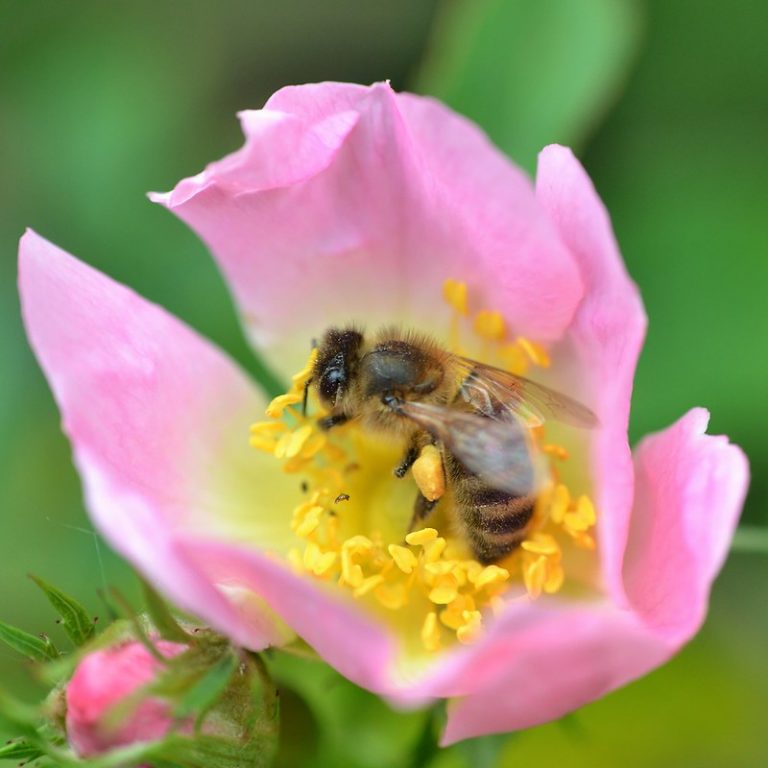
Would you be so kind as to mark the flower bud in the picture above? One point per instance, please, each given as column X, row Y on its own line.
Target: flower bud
column 104, row 679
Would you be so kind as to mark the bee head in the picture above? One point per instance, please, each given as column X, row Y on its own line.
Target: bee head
column 336, row 362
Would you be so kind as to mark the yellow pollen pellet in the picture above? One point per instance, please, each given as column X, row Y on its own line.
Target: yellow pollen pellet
column 366, row 585
column 430, row 632
column 404, row 559
column 392, row 596
column 469, row 632
column 421, row 537
column 281, row 402
column 534, row 576
column 541, row 544
column 445, row 591
column 428, row 473
column 561, row 499
column 455, row 293
column 491, row 574
column 490, row 325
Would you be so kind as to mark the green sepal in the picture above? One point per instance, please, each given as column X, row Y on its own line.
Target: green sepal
column 20, row 750
column 74, row 618
column 162, row 618
column 31, row 646
column 201, row 696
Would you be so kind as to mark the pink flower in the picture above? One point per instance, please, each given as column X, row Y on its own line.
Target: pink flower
column 104, row 679
column 351, row 203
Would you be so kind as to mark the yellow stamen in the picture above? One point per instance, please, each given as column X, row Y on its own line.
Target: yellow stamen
column 534, row 575
column 560, row 501
column 366, row 585
column 423, row 536
column 491, row 574
column 490, row 325
column 430, row 632
column 281, row 402
column 455, row 293
column 434, row 549
column 535, row 352
column 447, row 594
column 404, row 559
column 469, row 632
column 445, row 590
column 541, row 544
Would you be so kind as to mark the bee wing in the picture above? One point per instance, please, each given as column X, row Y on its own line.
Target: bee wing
column 497, row 450
column 531, row 402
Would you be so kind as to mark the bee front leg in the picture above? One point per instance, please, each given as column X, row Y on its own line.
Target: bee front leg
column 422, row 506
column 408, row 460
column 334, row 420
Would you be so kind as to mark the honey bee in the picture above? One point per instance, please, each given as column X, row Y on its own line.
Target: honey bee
column 477, row 416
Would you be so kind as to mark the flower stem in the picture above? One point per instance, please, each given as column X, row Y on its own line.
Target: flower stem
column 426, row 747
column 750, row 539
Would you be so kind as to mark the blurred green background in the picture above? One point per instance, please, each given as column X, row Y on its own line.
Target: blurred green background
column 666, row 103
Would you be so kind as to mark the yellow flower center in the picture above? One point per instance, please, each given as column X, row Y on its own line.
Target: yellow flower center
column 351, row 523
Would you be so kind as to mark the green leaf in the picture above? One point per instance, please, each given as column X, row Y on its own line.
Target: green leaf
column 162, row 617
column 31, row 646
column 20, row 750
column 207, row 690
column 74, row 618
column 531, row 72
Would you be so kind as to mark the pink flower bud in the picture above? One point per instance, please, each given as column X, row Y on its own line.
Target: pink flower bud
column 102, row 680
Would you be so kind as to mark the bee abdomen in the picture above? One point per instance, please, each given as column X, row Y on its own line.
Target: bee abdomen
column 495, row 522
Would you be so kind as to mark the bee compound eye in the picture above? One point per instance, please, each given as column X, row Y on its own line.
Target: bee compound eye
column 330, row 383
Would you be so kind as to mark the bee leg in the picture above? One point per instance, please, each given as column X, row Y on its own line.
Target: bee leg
column 407, row 461
column 422, row 506
column 332, row 421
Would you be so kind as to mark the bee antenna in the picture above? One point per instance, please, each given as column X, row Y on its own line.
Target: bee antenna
column 313, row 344
column 306, row 397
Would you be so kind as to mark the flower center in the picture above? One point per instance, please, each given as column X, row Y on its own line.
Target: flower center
column 351, row 524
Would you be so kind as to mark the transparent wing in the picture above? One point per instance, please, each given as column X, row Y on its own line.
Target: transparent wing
column 486, row 388
column 498, row 450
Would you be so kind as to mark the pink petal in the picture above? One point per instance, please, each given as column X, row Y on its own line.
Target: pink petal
column 357, row 646
column 553, row 666
column 690, row 488
column 157, row 418
column 351, row 203
column 606, row 336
